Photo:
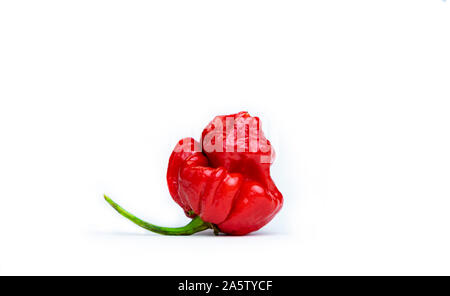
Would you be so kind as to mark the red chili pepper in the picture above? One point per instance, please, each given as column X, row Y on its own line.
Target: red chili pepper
column 223, row 183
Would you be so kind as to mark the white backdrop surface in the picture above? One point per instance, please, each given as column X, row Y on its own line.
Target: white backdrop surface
column 354, row 95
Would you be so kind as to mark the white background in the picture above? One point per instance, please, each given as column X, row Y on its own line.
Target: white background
column 354, row 96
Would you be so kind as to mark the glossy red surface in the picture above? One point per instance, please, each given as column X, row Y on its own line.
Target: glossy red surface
column 229, row 183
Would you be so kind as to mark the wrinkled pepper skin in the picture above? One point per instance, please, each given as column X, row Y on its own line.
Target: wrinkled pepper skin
column 232, row 190
column 223, row 182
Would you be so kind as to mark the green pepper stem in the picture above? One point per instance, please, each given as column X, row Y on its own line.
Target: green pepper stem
column 196, row 225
